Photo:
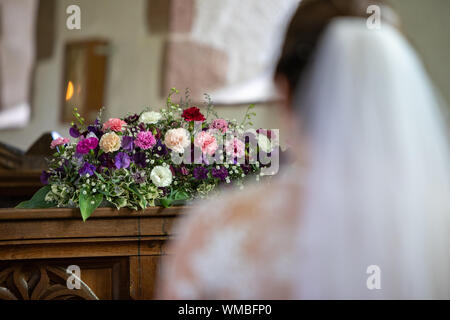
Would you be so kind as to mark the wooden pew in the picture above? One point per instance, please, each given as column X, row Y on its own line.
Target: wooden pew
column 117, row 252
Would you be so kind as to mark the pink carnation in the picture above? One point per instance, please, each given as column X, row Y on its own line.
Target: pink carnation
column 235, row 148
column 59, row 141
column 206, row 141
column 219, row 124
column 145, row 140
column 114, row 124
column 84, row 145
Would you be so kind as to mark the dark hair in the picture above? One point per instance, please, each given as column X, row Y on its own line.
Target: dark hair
column 305, row 29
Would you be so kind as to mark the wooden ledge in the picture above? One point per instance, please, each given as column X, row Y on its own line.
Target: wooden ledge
column 34, row 224
column 62, row 213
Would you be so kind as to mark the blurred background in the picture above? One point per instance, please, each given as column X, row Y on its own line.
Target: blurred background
column 225, row 48
column 125, row 55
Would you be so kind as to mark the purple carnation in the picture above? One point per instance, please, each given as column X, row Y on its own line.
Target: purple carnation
column 221, row 173
column 200, row 173
column 145, row 140
column 122, row 160
column 87, row 168
column 127, row 143
column 85, row 145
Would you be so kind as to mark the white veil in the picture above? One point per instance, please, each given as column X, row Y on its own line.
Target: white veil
column 378, row 190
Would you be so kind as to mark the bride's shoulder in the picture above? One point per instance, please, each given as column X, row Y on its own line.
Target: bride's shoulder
column 274, row 200
column 233, row 227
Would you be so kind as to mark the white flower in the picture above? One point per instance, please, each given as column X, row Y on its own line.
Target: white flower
column 161, row 176
column 177, row 139
column 150, row 117
column 264, row 143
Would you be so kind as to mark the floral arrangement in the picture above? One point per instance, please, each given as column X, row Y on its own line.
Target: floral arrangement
column 152, row 158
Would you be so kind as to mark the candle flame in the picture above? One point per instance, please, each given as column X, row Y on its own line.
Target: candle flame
column 69, row 92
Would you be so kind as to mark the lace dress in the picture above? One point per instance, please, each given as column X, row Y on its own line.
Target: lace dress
column 237, row 246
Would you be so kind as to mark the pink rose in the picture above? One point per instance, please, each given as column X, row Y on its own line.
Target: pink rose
column 114, row 124
column 235, row 148
column 219, row 124
column 206, row 141
column 58, row 141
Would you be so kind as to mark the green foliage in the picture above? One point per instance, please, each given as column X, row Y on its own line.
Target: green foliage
column 246, row 121
column 175, row 197
column 37, row 201
column 88, row 203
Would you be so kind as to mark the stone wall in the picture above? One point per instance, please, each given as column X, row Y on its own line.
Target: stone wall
column 140, row 46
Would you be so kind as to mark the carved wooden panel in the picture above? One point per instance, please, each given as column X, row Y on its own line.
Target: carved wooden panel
column 117, row 252
column 38, row 281
column 106, row 278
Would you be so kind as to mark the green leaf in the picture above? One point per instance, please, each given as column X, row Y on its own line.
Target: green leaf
column 166, row 202
column 99, row 176
column 181, row 195
column 88, row 203
column 142, row 201
column 38, row 200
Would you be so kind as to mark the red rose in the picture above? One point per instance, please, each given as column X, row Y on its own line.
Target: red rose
column 193, row 114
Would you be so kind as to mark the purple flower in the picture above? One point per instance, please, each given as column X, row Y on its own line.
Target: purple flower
column 85, row 145
column 165, row 191
column 87, row 168
column 139, row 177
column 122, row 160
column 127, row 143
column 139, row 159
column 141, row 126
column 74, row 132
column 44, row 177
column 132, row 118
column 246, row 168
column 160, row 148
column 95, row 130
column 200, row 173
column 221, row 173
column 184, row 171
column 106, row 161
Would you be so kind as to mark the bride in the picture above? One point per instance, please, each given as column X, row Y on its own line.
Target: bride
column 365, row 211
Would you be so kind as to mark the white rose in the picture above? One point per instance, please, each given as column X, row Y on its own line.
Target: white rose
column 150, row 117
column 161, row 176
column 177, row 139
column 264, row 143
